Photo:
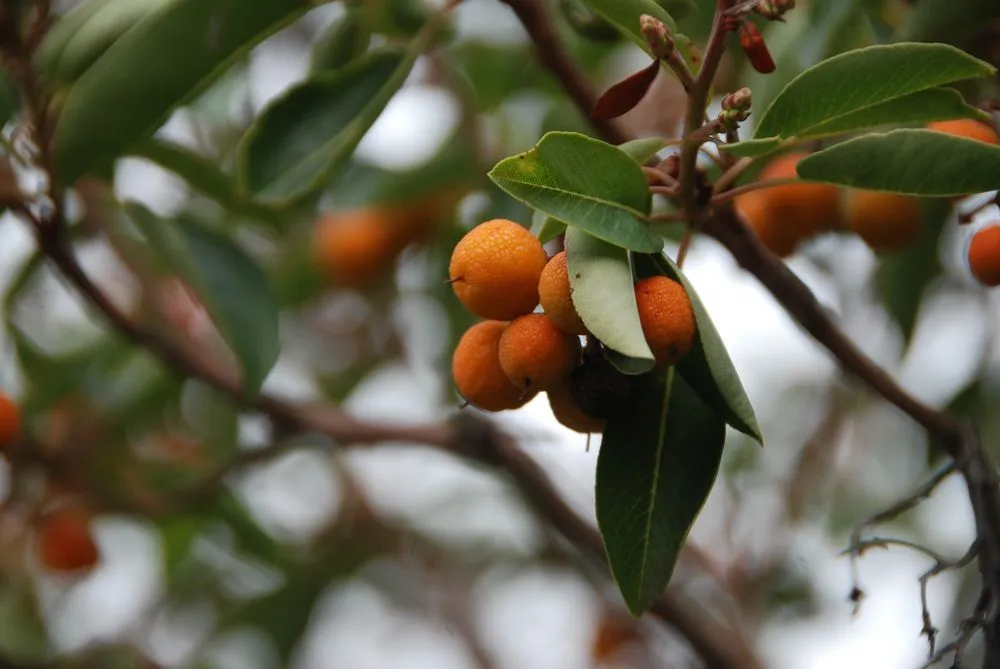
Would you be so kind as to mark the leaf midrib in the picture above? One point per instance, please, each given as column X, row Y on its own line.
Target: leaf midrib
column 582, row 196
column 664, row 414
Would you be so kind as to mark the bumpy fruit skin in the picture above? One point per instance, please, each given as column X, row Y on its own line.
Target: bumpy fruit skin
column 535, row 353
column 568, row 413
column 475, row 367
column 783, row 216
column 984, row 255
column 967, row 127
column 885, row 221
column 10, row 421
column 354, row 248
column 667, row 318
column 495, row 270
column 555, row 295
column 65, row 543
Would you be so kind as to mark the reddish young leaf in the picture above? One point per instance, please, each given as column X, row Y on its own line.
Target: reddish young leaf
column 626, row 94
column 756, row 48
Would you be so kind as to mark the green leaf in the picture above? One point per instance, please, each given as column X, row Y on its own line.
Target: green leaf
column 624, row 15
column 545, row 227
column 234, row 290
column 85, row 34
column 643, row 149
column 934, row 104
column 165, row 60
column 10, row 99
column 862, row 79
column 344, row 41
column 914, row 162
column 708, row 367
column 300, row 141
column 205, row 177
column 584, row 183
column 753, row 148
column 656, row 467
column 903, row 277
column 603, row 292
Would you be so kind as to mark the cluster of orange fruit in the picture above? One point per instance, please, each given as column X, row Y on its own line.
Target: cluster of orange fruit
column 64, row 542
column 786, row 215
column 501, row 272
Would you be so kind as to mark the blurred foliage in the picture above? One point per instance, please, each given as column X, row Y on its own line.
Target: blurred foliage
column 139, row 440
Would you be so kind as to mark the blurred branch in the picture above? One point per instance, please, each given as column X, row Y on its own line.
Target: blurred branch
column 534, row 16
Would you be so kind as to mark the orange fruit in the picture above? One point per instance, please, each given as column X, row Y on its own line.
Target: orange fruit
column 984, row 255
column 495, row 270
column 568, row 413
column 555, row 295
column 535, row 352
column 64, row 541
column 755, row 208
column 475, row 367
column 885, row 221
column 10, row 421
column 354, row 248
column 968, row 128
column 667, row 318
column 782, row 216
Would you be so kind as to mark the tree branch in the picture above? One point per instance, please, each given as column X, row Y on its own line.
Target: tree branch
column 534, row 16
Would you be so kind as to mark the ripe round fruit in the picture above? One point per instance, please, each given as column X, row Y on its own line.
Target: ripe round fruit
column 495, row 270
column 984, row 255
column 354, row 248
column 667, row 318
column 555, row 293
column 10, row 421
column 65, row 543
column 535, row 353
column 968, row 128
column 475, row 367
column 568, row 413
column 885, row 221
column 787, row 214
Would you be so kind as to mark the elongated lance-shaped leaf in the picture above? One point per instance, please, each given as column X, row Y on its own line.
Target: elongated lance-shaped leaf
column 624, row 15
column 305, row 138
column 914, row 162
column 603, row 293
column 657, row 465
column 643, row 149
column 586, row 184
column 165, row 60
column 858, row 80
column 707, row 367
column 235, row 290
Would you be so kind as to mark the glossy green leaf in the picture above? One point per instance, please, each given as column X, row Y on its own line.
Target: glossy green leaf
column 165, row 60
column 708, row 367
column 915, row 162
column 862, row 79
column 657, row 465
column 205, row 177
column 643, row 149
column 753, row 148
column 902, row 278
column 299, row 142
column 545, row 227
column 235, row 291
column 603, row 293
column 934, row 104
column 85, row 34
column 584, row 183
